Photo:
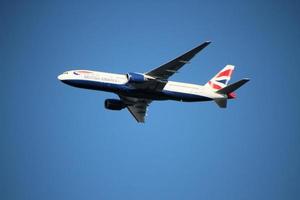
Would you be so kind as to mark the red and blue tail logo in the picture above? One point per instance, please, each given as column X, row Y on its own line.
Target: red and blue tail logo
column 221, row 79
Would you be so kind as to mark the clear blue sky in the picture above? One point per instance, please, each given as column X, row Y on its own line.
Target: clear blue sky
column 58, row 142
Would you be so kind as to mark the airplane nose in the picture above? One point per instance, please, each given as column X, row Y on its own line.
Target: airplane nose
column 60, row 77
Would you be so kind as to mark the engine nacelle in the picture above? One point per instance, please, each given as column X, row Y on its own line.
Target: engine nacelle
column 136, row 77
column 114, row 104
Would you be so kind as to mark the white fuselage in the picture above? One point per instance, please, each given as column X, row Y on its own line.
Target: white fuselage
column 118, row 83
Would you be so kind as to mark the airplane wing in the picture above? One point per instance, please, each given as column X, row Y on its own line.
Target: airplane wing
column 165, row 71
column 154, row 84
column 137, row 107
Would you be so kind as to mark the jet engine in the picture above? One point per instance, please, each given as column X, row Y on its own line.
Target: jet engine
column 135, row 77
column 114, row 104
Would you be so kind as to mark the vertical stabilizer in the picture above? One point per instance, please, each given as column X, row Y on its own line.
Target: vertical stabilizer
column 221, row 79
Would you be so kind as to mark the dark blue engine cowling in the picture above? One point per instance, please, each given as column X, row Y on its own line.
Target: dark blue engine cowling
column 114, row 104
column 135, row 77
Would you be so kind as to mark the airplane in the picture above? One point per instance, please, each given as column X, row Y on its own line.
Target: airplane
column 137, row 90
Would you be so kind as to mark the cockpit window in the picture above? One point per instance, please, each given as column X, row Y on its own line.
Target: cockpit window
column 75, row 73
column 65, row 73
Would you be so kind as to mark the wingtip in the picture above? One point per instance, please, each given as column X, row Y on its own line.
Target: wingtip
column 204, row 44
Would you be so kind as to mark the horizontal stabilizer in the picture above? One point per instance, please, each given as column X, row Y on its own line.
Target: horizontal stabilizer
column 222, row 103
column 232, row 87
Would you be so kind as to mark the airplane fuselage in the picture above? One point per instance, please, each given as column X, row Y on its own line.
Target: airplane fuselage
column 136, row 91
column 118, row 83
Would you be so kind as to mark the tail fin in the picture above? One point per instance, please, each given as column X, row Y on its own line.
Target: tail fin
column 221, row 79
column 219, row 85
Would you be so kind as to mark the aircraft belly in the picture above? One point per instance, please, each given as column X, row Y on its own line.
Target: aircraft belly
column 163, row 95
column 185, row 97
column 145, row 94
column 93, row 85
column 138, row 93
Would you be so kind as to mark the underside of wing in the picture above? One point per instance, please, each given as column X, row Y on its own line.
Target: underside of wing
column 137, row 107
column 165, row 71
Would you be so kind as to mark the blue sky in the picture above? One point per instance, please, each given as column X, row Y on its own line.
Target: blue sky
column 58, row 142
